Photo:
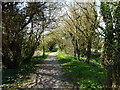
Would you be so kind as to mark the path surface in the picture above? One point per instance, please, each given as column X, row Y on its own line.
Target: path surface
column 48, row 75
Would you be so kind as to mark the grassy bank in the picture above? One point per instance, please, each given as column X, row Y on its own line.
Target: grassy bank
column 14, row 77
column 82, row 74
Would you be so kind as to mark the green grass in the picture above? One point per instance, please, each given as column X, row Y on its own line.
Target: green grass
column 22, row 73
column 94, row 61
column 78, row 72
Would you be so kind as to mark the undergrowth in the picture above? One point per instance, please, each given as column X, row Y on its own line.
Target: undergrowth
column 21, row 74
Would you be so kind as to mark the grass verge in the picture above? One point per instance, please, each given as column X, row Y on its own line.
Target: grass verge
column 82, row 74
column 14, row 77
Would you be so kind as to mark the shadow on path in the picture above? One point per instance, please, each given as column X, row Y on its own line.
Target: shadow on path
column 48, row 75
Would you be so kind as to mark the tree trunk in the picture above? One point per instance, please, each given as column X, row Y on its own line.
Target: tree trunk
column 7, row 62
column 43, row 51
column 11, row 64
column 109, row 79
column 88, row 51
column 59, row 47
column 28, row 58
column 74, row 53
column 117, row 75
column 16, row 54
column 51, row 48
column 77, row 50
column 73, row 43
column 113, row 77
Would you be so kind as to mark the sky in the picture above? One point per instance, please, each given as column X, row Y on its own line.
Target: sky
column 65, row 8
column 56, row 0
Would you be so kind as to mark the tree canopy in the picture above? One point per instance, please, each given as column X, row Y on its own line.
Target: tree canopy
column 75, row 28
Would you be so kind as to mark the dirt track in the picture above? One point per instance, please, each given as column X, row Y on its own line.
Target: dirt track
column 48, row 75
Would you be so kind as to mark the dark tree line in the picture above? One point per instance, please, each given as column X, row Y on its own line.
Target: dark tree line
column 23, row 25
column 111, row 55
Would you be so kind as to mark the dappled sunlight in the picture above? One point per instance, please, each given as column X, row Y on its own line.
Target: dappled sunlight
column 48, row 75
column 84, row 36
column 15, row 77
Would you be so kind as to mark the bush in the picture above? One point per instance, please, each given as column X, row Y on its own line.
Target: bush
column 96, row 54
column 54, row 49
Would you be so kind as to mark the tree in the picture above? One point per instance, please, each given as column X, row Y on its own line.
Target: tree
column 20, row 39
column 83, row 20
column 111, row 56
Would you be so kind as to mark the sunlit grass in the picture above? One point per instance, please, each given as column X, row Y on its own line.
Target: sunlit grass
column 76, row 72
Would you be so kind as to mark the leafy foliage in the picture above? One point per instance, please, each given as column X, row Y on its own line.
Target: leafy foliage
column 23, row 26
column 111, row 57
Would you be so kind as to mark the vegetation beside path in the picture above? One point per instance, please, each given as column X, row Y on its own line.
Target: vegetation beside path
column 89, row 31
column 14, row 77
column 81, row 74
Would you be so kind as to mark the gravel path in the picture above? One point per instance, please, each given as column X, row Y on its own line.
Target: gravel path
column 48, row 75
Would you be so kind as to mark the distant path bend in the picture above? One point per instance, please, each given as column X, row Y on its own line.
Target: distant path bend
column 48, row 75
